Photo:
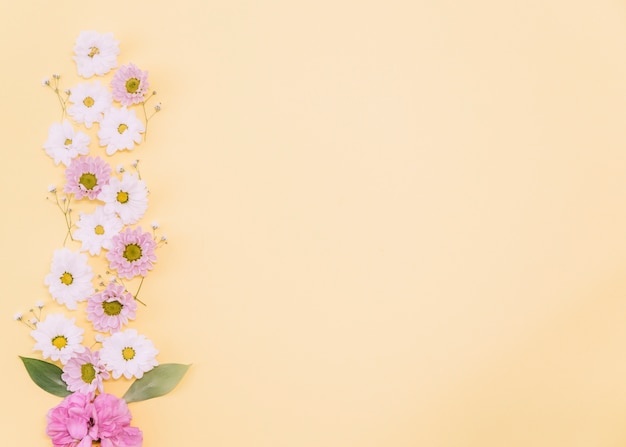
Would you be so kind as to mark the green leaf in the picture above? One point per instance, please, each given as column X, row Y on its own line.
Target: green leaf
column 157, row 382
column 47, row 376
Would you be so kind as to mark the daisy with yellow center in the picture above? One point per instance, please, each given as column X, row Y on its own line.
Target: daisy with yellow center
column 65, row 144
column 89, row 102
column 127, row 198
column 129, row 85
column 84, row 373
column 111, row 309
column 86, row 176
column 58, row 338
column 69, row 280
column 120, row 130
column 95, row 53
column 96, row 230
column 132, row 253
column 128, row 354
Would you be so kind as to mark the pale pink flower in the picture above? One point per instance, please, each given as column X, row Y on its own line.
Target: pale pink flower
column 132, row 253
column 84, row 373
column 113, row 421
column 72, row 422
column 110, row 309
column 85, row 176
column 129, row 84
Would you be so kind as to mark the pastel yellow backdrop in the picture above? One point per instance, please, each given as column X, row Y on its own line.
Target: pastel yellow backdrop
column 392, row 223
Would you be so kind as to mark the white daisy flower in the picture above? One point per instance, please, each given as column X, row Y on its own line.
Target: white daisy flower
column 64, row 143
column 58, row 338
column 120, row 129
column 96, row 230
column 128, row 198
column 129, row 354
column 95, row 53
column 69, row 280
column 89, row 102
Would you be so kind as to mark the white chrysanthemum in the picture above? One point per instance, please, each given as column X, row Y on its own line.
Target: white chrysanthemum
column 129, row 354
column 128, row 198
column 89, row 102
column 69, row 280
column 95, row 53
column 96, row 230
column 58, row 338
column 64, row 143
column 120, row 129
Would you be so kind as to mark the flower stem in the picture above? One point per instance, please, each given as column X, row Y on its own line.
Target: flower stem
column 137, row 293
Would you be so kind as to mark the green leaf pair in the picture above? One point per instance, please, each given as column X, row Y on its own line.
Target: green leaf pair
column 157, row 382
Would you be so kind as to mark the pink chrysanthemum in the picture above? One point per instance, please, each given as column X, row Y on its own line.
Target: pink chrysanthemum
column 110, row 309
column 113, row 420
column 85, row 176
column 132, row 253
column 84, row 373
column 129, row 84
column 72, row 422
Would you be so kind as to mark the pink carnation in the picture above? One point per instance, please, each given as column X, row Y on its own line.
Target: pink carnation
column 72, row 422
column 129, row 85
column 110, row 309
column 78, row 422
column 132, row 253
column 113, row 419
column 86, row 176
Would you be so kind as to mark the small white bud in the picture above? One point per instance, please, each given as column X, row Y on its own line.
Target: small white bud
column 17, row 316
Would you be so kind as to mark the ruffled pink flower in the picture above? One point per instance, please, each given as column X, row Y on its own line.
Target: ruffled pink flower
column 132, row 253
column 72, row 423
column 129, row 84
column 84, row 373
column 110, row 309
column 113, row 420
column 78, row 422
column 85, row 176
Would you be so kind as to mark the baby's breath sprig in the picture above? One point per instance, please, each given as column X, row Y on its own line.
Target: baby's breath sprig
column 54, row 85
column 64, row 205
column 157, row 108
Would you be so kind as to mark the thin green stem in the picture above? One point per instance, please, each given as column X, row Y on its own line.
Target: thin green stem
column 137, row 293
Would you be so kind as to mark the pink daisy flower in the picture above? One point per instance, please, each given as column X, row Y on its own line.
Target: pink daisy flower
column 132, row 253
column 84, row 373
column 85, row 176
column 110, row 309
column 129, row 84
column 113, row 420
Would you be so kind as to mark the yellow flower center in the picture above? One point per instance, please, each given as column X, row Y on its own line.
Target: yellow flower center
column 88, row 180
column 88, row 101
column 67, row 142
column 112, row 308
column 122, row 128
column 93, row 51
column 87, row 372
column 132, row 85
column 99, row 229
column 128, row 353
column 59, row 342
column 132, row 252
column 67, row 278
column 122, row 197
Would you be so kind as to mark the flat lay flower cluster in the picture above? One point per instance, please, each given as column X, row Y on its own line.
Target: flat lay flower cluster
column 98, row 118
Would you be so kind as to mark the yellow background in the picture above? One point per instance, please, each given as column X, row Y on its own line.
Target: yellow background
column 392, row 223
